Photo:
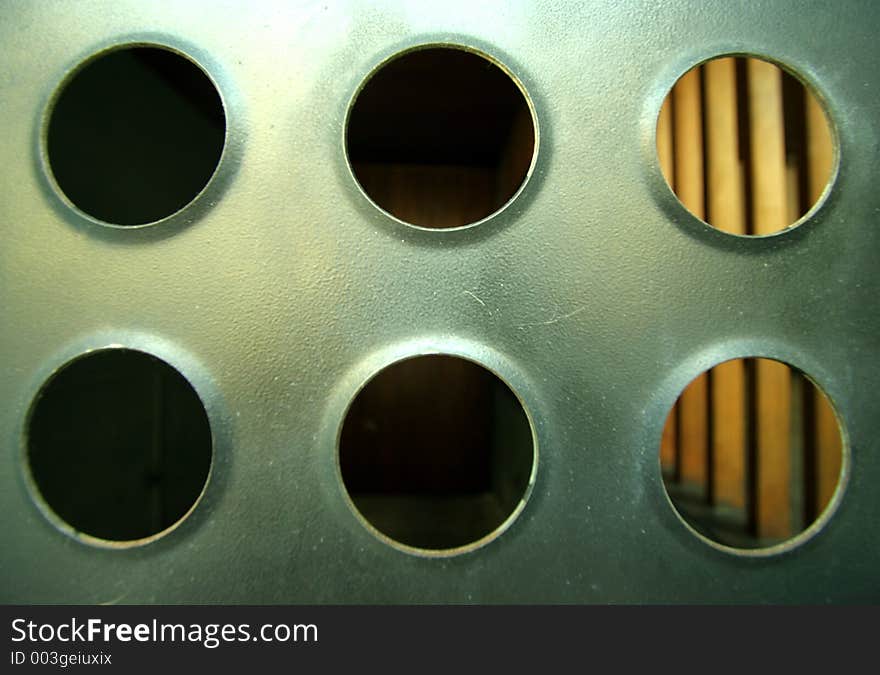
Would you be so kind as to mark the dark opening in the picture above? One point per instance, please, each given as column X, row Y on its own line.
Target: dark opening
column 119, row 445
column 440, row 137
column 135, row 135
column 436, row 452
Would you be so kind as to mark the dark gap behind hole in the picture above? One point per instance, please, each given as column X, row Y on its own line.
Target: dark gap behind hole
column 440, row 137
column 436, row 452
column 135, row 135
column 119, row 445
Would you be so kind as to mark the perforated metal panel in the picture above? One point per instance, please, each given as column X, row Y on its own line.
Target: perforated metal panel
column 594, row 294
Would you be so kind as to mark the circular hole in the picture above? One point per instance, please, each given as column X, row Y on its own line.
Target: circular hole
column 745, row 146
column 440, row 137
column 135, row 134
column 118, row 445
column 752, row 454
column 436, row 453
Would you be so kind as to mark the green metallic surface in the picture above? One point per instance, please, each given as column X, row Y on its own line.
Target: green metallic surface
column 281, row 289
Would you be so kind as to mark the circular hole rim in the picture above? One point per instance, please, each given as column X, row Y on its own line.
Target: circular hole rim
column 811, row 87
column 819, row 523
column 49, row 108
column 457, row 46
column 417, row 551
column 33, row 489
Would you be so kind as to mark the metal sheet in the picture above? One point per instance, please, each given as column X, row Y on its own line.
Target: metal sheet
column 282, row 288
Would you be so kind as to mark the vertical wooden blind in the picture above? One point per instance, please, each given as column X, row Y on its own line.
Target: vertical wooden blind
column 751, row 452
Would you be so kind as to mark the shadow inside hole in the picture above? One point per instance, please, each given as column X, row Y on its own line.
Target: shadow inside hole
column 135, row 135
column 436, row 452
column 440, row 137
column 119, row 445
